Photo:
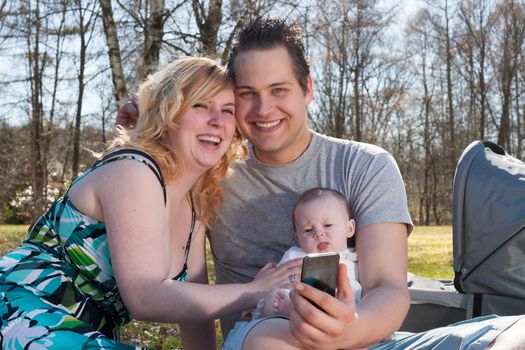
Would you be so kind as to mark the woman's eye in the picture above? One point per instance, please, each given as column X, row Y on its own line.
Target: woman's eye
column 228, row 111
column 199, row 105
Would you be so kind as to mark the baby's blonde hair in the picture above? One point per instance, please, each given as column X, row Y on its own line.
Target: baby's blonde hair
column 161, row 99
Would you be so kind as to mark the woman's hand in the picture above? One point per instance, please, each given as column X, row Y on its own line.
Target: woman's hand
column 330, row 323
column 272, row 276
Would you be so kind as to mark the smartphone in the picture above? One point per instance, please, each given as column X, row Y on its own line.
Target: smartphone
column 320, row 271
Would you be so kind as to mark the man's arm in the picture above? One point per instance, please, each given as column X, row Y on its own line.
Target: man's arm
column 382, row 251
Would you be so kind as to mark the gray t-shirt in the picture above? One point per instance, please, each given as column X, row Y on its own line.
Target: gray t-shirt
column 254, row 222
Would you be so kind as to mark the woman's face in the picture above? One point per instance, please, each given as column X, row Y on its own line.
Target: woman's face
column 204, row 131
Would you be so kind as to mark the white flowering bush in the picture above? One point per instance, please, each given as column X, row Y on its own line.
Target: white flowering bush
column 18, row 210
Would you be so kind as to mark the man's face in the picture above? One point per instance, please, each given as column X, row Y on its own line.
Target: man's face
column 270, row 105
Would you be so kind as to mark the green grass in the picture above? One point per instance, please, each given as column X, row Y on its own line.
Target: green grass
column 429, row 251
column 11, row 236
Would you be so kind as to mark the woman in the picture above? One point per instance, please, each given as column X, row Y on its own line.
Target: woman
column 123, row 241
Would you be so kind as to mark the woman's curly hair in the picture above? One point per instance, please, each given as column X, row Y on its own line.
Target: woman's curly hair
column 161, row 98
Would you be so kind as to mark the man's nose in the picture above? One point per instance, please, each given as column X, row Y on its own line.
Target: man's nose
column 265, row 105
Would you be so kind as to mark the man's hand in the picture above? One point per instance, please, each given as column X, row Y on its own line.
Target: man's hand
column 128, row 114
column 328, row 324
column 341, row 324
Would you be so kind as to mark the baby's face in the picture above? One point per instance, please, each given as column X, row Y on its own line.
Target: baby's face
column 322, row 225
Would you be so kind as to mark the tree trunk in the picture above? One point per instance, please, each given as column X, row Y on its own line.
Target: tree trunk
column 35, row 77
column 115, row 58
column 83, row 28
column 153, row 38
column 451, row 120
column 208, row 24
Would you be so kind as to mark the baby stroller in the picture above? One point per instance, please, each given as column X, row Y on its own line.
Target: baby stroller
column 488, row 224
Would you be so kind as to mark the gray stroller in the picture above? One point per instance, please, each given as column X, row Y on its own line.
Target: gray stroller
column 488, row 224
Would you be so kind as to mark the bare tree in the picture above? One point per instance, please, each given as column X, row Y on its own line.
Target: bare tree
column 511, row 15
column 86, row 22
column 475, row 16
column 36, row 62
column 419, row 37
column 353, row 101
column 153, row 32
column 208, row 21
column 114, row 53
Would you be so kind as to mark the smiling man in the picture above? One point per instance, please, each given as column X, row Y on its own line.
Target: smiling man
column 273, row 88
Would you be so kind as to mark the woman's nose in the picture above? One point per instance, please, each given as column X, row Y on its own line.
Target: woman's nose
column 216, row 118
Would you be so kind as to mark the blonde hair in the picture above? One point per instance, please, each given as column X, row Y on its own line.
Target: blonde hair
column 161, row 99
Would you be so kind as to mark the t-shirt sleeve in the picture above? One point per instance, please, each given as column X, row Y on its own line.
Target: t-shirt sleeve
column 379, row 193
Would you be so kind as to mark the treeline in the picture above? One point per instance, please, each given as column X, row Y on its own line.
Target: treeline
column 423, row 87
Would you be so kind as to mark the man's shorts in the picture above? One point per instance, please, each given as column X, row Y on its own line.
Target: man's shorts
column 473, row 334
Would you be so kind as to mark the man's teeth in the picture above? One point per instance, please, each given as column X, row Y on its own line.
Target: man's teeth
column 208, row 138
column 268, row 124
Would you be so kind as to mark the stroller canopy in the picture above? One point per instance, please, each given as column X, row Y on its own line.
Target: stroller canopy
column 489, row 222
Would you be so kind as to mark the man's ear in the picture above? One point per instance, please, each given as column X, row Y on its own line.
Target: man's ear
column 309, row 94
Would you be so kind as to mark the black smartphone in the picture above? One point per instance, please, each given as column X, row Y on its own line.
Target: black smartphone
column 320, row 271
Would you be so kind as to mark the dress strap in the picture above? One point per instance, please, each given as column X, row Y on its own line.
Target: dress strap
column 183, row 275
column 187, row 250
column 151, row 163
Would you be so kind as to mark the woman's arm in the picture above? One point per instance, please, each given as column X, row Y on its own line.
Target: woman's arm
column 138, row 233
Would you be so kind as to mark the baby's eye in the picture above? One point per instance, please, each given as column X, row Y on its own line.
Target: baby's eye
column 328, row 225
column 308, row 230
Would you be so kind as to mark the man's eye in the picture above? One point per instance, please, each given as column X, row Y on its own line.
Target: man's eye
column 246, row 94
column 279, row 90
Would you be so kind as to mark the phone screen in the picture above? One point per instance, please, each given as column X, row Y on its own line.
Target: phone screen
column 321, row 271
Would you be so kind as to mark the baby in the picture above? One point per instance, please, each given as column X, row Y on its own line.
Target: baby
column 322, row 223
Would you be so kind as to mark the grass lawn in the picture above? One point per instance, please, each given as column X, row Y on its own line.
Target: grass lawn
column 429, row 251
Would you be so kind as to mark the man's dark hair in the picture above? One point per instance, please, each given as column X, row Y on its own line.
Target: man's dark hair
column 268, row 33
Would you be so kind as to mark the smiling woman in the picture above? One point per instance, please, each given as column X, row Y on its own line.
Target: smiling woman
column 128, row 235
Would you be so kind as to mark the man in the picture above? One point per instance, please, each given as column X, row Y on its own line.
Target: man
column 273, row 89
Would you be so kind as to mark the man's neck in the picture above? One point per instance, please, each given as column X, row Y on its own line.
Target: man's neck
column 287, row 155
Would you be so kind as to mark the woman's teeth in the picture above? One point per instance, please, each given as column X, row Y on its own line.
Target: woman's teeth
column 207, row 138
